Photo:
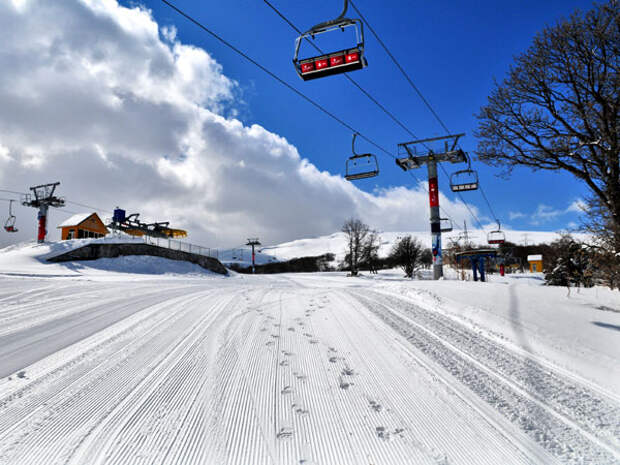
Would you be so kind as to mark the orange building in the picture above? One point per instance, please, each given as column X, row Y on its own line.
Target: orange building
column 536, row 263
column 82, row 226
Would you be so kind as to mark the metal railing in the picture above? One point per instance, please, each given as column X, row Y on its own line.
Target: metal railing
column 173, row 244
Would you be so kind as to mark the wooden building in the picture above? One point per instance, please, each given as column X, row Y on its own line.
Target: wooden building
column 82, row 226
column 536, row 263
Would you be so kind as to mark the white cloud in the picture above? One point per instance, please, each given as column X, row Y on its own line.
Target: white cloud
column 101, row 98
column 578, row 206
column 516, row 215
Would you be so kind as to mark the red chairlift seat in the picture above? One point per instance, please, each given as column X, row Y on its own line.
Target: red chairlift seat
column 9, row 224
column 338, row 62
column 497, row 236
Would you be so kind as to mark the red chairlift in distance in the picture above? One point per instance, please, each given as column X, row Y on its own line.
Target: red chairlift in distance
column 497, row 236
column 361, row 166
column 342, row 61
column 9, row 224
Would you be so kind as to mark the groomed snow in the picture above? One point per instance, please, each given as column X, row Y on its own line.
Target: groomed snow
column 116, row 367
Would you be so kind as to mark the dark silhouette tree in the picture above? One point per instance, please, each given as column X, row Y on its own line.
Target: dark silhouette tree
column 559, row 109
column 356, row 233
column 407, row 253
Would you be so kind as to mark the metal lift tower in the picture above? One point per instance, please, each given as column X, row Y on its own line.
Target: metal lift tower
column 430, row 158
column 43, row 199
column 253, row 242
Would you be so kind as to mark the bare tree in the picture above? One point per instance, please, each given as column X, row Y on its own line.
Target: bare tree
column 370, row 251
column 356, row 232
column 559, row 107
column 407, row 253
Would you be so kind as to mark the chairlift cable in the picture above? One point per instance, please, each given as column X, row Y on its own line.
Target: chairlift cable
column 366, row 93
column 274, row 76
column 400, row 68
column 345, row 75
column 424, row 100
column 281, row 81
column 88, row 206
column 488, row 204
column 12, row 192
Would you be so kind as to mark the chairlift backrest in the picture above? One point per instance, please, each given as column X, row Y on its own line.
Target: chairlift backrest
column 445, row 224
column 464, row 180
column 360, row 166
column 333, row 62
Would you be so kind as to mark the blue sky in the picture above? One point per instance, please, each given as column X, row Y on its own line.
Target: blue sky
column 452, row 50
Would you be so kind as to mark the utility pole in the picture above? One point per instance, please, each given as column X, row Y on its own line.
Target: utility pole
column 253, row 242
column 430, row 158
column 43, row 199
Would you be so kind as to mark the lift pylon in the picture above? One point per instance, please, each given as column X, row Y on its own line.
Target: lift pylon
column 416, row 158
column 253, row 242
column 43, row 198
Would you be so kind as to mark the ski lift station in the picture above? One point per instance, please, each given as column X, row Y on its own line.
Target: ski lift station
column 82, row 226
column 536, row 263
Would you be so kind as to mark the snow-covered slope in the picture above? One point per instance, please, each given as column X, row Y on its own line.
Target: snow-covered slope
column 306, row 368
column 29, row 260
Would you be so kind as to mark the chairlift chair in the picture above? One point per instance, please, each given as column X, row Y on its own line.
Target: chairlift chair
column 464, row 180
column 361, row 166
column 497, row 236
column 337, row 62
column 9, row 224
column 445, row 224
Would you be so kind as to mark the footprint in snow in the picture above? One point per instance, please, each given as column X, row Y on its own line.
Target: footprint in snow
column 344, row 384
column 376, row 406
column 348, row 371
column 333, row 359
column 286, row 390
column 284, row 363
column 269, row 343
column 285, row 432
column 382, row 433
column 300, row 410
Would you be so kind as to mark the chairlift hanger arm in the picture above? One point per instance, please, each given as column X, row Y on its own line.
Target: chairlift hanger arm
column 433, row 139
column 335, row 21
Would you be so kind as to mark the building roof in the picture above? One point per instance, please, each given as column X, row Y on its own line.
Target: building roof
column 534, row 258
column 75, row 219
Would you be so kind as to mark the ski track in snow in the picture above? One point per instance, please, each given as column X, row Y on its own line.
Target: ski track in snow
column 572, row 421
column 273, row 372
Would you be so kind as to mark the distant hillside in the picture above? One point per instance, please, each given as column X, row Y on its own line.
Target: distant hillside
column 336, row 243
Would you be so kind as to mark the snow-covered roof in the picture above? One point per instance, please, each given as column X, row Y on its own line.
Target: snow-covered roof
column 75, row 220
column 534, row 258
